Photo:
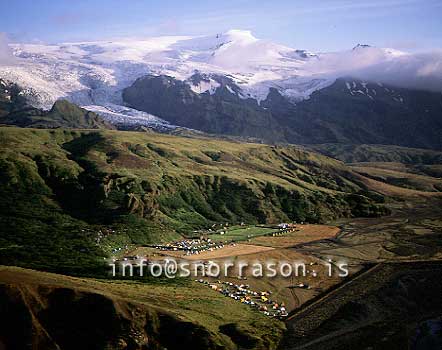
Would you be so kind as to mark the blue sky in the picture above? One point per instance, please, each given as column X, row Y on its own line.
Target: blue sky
column 328, row 25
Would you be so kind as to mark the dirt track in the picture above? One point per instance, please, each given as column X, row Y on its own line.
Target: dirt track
column 228, row 251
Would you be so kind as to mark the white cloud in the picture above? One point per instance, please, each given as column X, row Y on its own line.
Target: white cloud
column 6, row 56
column 419, row 71
column 414, row 71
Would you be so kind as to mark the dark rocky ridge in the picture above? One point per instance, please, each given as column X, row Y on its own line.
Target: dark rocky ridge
column 348, row 111
column 220, row 113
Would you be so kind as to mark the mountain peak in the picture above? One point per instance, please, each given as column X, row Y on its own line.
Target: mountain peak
column 361, row 46
column 239, row 35
column 66, row 114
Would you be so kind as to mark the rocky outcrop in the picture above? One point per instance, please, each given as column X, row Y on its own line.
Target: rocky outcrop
column 68, row 115
column 15, row 110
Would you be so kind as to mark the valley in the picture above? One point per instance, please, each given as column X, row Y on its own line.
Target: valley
column 146, row 190
column 120, row 188
column 168, row 182
column 381, row 249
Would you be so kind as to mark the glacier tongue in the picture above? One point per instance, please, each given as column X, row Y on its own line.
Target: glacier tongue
column 118, row 114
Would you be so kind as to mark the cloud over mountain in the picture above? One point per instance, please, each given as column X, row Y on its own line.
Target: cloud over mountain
column 6, row 56
column 418, row 71
column 94, row 73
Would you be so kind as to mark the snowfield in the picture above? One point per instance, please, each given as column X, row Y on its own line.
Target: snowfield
column 93, row 74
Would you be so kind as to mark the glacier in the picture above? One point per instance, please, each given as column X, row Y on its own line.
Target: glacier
column 93, row 74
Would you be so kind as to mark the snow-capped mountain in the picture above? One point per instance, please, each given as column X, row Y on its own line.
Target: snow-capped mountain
column 94, row 73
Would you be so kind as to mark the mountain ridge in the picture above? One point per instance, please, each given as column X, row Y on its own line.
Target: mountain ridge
column 236, row 84
column 93, row 74
column 349, row 111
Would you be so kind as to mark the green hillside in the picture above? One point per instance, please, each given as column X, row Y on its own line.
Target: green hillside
column 74, row 195
column 355, row 153
column 100, row 314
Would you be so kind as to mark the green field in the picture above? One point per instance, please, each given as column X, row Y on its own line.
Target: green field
column 237, row 234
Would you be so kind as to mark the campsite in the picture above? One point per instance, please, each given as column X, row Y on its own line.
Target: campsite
column 255, row 243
